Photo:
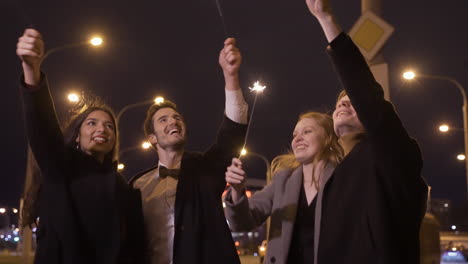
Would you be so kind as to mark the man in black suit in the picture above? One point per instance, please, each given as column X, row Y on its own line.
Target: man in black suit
column 375, row 200
column 181, row 197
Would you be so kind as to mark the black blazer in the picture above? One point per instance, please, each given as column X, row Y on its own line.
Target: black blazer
column 88, row 213
column 375, row 200
column 201, row 231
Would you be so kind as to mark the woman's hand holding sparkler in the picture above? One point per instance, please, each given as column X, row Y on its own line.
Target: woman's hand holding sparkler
column 236, row 177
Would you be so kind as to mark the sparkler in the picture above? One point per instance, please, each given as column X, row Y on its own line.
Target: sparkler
column 257, row 88
column 221, row 16
column 25, row 17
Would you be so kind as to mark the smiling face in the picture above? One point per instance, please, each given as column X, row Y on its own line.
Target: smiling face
column 345, row 119
column 97, row 134
column 308, row 140
column 169, row 131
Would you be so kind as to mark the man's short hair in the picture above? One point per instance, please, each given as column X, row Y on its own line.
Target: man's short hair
column 341, row 95
column 148, row 125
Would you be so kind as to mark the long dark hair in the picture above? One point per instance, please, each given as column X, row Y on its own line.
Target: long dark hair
column 33, row 182
column 72, row 130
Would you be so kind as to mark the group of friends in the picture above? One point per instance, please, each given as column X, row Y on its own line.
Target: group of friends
column 350, row 190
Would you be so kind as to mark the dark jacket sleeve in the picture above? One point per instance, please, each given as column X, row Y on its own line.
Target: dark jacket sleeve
column 377, row 115
column 395, row 151
column 42, row 128
column 228, row 145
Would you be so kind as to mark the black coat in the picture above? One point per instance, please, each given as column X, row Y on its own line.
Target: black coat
column 376, row 198
column 88, row 213
column 201, row 232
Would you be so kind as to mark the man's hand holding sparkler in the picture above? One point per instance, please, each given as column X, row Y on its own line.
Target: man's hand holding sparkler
column 230, row 60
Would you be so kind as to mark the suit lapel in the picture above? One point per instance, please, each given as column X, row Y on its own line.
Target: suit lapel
column 289, row 205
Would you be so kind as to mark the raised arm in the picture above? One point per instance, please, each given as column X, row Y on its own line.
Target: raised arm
column 398, row 154
column 321, row 9
column 366, row 95
column 30, row 49
column 230, row 60
column 44, row 134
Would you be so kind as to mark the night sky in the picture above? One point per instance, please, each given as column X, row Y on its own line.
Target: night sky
column 170, row 48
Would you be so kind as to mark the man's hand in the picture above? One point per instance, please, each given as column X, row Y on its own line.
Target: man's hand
column 30, row 49
column 319, row 8
column 230, row 58
column 235, row 176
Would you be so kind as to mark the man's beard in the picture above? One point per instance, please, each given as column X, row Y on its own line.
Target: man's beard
column 178, row 146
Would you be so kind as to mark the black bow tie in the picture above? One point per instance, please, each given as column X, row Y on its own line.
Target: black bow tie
column 164, row 172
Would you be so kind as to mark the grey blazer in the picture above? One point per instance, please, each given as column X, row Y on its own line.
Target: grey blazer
column 279, row 200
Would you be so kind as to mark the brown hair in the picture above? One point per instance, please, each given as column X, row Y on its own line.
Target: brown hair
column 148, row 125
column 341, row 95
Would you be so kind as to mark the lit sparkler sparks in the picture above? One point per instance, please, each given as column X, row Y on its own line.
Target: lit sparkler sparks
column 257, row 88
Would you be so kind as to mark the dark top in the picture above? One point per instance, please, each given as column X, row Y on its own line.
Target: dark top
column 301, row 250
column 88, row 213
column 376, row 198
column 201, row 232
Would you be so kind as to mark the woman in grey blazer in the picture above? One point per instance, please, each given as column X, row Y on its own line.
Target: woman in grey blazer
column 293, row 198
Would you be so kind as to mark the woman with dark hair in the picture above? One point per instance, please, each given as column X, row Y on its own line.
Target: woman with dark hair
column 88, row 213
column 294, row 197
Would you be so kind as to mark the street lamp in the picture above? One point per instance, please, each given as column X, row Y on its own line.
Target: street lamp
column 120, row 167
column 461, row 157
column 409, row 75
column 444, row 128
column 156, row 100
column 144, row 145
column 94, row 41
column 73, row 97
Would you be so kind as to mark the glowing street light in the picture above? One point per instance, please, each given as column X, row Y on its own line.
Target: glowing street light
column 15, row 211
column 2, row 210
column 73, row 98
column 461, row 157
column 96, row 41
column 159, row 100
column 454, row 227
column 120, row 167
column 409, row 75
column 444, row 128
column 156, row 100
column 146, row 145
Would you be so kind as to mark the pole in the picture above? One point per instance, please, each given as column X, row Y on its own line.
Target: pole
column 130, row 106
column 465, row 115
column 378, row 65
column 465, row 127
